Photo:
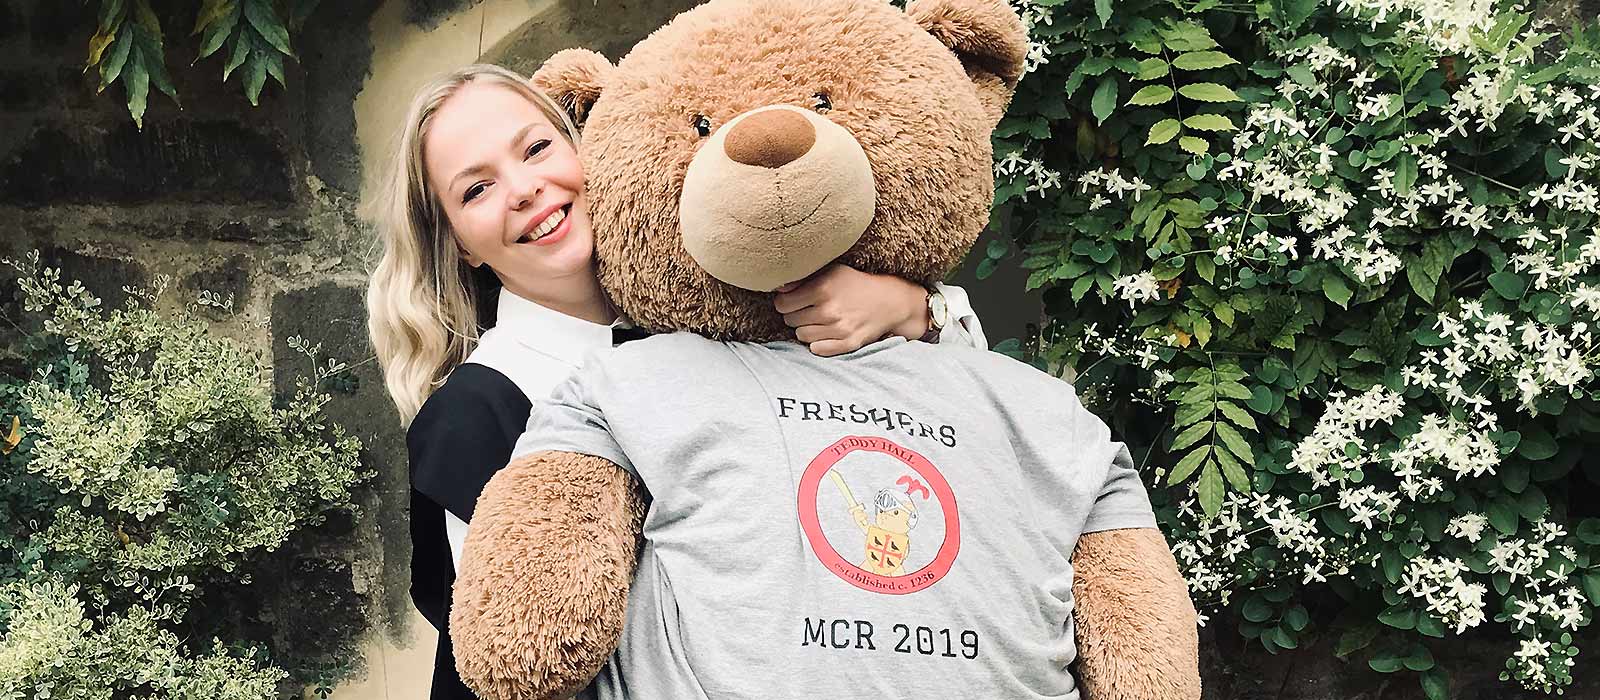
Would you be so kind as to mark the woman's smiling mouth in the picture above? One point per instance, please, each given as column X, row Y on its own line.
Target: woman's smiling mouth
column 545, row 230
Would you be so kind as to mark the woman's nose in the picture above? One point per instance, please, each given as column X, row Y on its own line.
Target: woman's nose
column 523, row 186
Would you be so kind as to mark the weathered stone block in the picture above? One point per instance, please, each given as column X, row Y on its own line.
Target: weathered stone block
column 21, row 89
column 103, row 277
column 201, row 162
column 335, row 316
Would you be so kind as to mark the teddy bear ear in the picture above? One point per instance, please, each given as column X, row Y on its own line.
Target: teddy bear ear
column 988, row 37
column 574, row 78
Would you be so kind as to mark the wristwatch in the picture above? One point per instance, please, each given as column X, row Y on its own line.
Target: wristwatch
column 938, row 315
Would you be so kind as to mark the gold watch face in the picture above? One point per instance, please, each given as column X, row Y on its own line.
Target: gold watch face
column 937, row 310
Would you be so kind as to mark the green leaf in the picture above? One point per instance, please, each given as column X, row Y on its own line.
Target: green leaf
column 211, row 11
column 1355, row 639
column 1502, row 515
column 1202, row 60
column 1436, row 684
column 218, row 31
column 1296, row 618
column 137, row 80
column 1420, row 659
column 1151, row 95
column 1187, row 36
column 1235, row 442
column 1256, row 608
column 1104, row 100
column 1162, row 132
column 1424, row 274
column 1405, row 173
column 1536, row 444
column 1589, row 533
column 255, row 75
column 1211, row 490
column 1261, row 400
column 1508, row 284
column 265, row 21
column 275, row 67
column 1399, row 617
column 1532, row 504
column 1152, row 68
column 1233, row 470
column 112, row 66
column 1591, row 585
column 1386, row 663
column 1190, row 412
column 1334, row 286
column 1102, row 10
column 1191, row 435
column 241, row 51
column 1193, row 144
column 1238, row 415
column 1187, row 465
column 1552, row 163
column 1209, row 122
column 1208, row 92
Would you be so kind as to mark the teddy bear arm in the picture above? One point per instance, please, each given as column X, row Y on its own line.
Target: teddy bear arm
column 1136, row 626
column 541, row 596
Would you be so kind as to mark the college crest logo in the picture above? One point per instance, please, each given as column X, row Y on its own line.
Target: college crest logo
column 902, row 539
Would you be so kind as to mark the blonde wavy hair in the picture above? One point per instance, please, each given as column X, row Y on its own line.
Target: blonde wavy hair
column 425, row 304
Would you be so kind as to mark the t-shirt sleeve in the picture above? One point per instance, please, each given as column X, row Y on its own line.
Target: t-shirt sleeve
column 1122, row 501
column 573, row 419
column 463, row 435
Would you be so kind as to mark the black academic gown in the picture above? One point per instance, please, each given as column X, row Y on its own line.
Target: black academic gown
column 463, row 435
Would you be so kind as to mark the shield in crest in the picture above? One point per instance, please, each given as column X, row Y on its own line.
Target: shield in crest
column 886, row 551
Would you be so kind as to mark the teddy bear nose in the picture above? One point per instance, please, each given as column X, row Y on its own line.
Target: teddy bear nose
column 770, row 139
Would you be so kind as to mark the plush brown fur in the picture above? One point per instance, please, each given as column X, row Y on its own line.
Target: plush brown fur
column 574, row 77
column 1137, row 634
column 544, row 583
column 540, row 600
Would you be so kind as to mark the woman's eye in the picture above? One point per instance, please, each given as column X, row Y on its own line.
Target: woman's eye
column 822, row 103
column 473, row 192
column 702, row 125
column 537, row 146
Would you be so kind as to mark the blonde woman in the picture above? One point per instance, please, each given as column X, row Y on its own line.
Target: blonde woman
column 486, row 298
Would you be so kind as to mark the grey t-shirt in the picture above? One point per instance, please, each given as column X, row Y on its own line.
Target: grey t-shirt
column 896, row 522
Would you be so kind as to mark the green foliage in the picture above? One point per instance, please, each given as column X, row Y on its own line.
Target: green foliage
column 1332, row 266
column 148, row 467
column 129, row 45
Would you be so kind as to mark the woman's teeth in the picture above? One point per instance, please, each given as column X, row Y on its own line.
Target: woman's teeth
column 545, row 227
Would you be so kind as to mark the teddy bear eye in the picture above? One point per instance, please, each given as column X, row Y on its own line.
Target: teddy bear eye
column 702, row 125
column 821, row 103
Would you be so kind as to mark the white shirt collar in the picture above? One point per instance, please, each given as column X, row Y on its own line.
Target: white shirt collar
column 545, row 330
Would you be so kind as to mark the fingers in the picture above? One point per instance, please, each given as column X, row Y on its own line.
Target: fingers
column 797, row 298
column 811, row 316
column 833, row 347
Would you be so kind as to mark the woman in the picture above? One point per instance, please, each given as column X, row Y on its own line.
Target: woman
column 486, row 296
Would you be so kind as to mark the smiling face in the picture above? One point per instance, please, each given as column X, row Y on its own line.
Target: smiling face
column 511, row 187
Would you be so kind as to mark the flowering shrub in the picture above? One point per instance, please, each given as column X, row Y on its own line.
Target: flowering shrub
column 144, row 463
column 1331, row 270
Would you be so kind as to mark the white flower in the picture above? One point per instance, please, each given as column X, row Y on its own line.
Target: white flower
column 1137, row 287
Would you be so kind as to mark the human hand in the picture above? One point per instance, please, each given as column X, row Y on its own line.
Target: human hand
column 860, row 514
column 839, row 309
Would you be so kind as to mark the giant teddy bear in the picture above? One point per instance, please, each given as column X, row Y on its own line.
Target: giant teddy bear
column 715, row 512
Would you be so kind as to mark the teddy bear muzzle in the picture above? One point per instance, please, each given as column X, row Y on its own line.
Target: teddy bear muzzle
column 774, row 195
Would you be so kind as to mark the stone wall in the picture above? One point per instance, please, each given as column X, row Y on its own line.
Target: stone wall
column 252, row 203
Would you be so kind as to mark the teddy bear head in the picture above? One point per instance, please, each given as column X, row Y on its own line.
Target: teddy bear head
column 748, row 143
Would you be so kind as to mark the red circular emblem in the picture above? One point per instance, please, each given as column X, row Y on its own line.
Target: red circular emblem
column 864, row 579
